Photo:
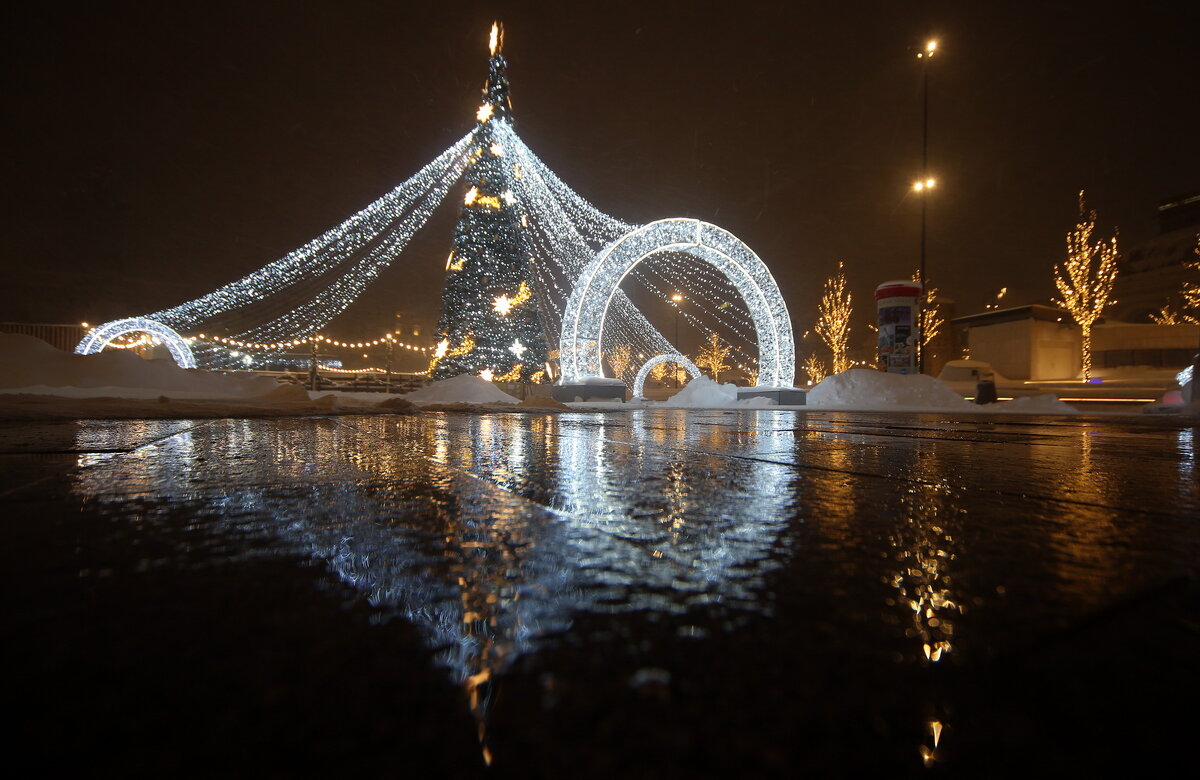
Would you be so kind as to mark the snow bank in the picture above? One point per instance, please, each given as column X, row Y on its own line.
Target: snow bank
column 284, row 402
column 462, row 389
column 865, row 389
column 703, row 392
column 38, row 381
column 31, row 366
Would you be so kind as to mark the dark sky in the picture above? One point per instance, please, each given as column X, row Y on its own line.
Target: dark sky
column 156, row 150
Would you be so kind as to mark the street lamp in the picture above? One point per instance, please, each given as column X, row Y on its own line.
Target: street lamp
column 926, row 183
column 677, row 299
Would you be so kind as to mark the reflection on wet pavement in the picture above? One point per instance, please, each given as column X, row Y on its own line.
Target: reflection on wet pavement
column 904, row 541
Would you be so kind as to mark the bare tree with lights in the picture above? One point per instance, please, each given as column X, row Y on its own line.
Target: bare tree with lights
column 1191, row 290
column 620, row 358
column 712, row 357
column 929, row 318
column 833, row 323
column 1085, row 280
column 1188, row 312
column 814, row 368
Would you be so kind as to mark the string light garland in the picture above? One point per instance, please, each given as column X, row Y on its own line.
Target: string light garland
column 282, row 345
column 520, row 227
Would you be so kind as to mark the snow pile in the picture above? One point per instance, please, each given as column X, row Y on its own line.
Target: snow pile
column 31, row 366
column 861, row 388
column 287, row 401
column 462, row 389
column 1046, row 403
column 703, row 392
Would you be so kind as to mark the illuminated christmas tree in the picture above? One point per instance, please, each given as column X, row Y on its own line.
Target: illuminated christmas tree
column 490, row 323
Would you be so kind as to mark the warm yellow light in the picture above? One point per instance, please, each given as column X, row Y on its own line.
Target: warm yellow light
column 677, row 297
column 918, row 186
column 494, row 39
column 484, row 113
column 930, row 48
column 921, row 186
column 486, row 374
column 929, row 183
column 471, row 195
column 442, row 347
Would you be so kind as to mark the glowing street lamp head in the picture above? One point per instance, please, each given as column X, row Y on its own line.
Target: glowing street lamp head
column 926, row 184
column 930, row 48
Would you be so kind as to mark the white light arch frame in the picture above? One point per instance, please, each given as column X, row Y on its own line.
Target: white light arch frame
column 583, row 317
column 639, row 383
column 99, row 338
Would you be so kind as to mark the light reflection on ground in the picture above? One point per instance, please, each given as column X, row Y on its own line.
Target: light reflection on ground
column 910, row 540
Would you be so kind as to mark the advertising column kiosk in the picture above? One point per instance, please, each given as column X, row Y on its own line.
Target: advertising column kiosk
column 896, row 306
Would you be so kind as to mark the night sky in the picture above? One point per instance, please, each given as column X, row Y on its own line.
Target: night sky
column 156, row 150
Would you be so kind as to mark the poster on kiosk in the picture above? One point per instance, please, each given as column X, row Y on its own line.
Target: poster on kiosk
column 896, row 307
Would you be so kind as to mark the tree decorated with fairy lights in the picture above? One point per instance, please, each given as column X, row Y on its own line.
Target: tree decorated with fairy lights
column 1189, row 310
column 490, row 323
column 833, row 324
column 1085, row 280
column 712, row 356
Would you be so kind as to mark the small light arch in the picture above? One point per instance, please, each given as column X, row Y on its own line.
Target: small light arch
column 98, row 338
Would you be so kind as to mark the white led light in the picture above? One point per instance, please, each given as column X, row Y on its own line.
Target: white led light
column 97, row 339
column 639, row 383
column 588, row 304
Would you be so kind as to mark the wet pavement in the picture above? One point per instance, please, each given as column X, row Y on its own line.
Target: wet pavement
column 652, row 593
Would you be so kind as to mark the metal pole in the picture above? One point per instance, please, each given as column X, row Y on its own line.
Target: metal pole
column 677, row 383
column 924, row 204
column 313, row 380
column 387, row 381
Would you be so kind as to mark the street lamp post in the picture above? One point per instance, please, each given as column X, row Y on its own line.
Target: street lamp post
column 922, row 187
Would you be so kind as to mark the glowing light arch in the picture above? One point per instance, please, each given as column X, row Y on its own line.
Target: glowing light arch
column 587, row 306
column 99, row 338
column 639, row 383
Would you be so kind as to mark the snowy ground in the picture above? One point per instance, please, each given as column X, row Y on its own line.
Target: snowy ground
column 38, row 381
